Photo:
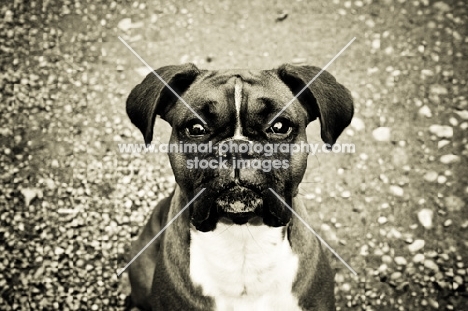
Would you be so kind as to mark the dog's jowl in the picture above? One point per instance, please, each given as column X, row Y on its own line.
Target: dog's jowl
column 237, row 246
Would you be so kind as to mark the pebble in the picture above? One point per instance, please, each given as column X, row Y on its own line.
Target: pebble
column 442, row 143
column 418, row 258
column 462, row 114
column 382, row 220
column 394, row 233
column 395, row 276
column 299, row 60
column 425, row 217
column 454, row 204
column 448, row 223
column 396, row 191
column 458, row 279
column 125, row 24
column 441, row 179
column 442, row 6
column 449, row 158
column 387, row 259
column 346, row 287
column 425, row 111
column 382, row 134
column 441, row 131
column 358, row 124
column 401, row 261
column 431, row 176
column 438, row 89
column 433, row 303
column 430, row 264
column 416, row 246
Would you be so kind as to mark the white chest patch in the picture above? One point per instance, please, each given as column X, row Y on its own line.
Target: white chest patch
column 244, row 267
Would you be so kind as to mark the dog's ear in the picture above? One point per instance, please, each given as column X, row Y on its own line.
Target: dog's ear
column 324, row 98
column 152, row 96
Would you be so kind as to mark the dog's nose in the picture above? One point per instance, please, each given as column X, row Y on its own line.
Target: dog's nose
column 237, row 150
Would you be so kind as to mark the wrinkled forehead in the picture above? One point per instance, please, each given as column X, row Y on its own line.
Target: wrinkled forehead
column 217, row 86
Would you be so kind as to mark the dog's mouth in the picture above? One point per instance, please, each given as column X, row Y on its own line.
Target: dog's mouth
column 238, row 204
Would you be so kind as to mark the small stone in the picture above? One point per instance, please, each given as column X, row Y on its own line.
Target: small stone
column 401, row 261
column 382, row 134
column 454, row 204
column 449, row 158
column 299, row 60
column 433, row 303
column 425, row 217
column 357, row 124
column 396, row 191
column 448, row 223
column 387, row 259
column 441, row 179
column 462, row 114
column 346, row 287
column 394, row 233
column 442, row 6
column 59, row 251
column 128, row 204
column 442, row 143
column 382, row 268
column 125, row 24
column 382, row 220
column 376, row 44
column 431, row 176
column 453, row 121
column 430, row 264
column 441, row 131
column 403, row 287
column 364, row 250
column 417, row 245
column 395, row 276
column 458, row 279
column 438, row 89
column 418, row 258
column 425, row 111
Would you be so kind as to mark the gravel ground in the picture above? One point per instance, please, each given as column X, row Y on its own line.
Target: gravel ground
column 70, row 203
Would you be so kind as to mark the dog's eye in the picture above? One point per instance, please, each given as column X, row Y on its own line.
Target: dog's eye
column 280, row 127
column 196, row 129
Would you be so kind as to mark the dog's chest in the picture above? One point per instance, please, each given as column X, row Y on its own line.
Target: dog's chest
column 244, row 267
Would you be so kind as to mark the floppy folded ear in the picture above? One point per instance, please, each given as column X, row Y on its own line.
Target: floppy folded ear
column 152, row 97
column 324, row 98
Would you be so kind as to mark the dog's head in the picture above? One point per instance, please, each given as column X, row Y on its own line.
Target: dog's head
column 241, row 114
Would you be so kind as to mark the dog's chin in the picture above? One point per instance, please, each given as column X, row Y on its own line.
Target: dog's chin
column 240, row 205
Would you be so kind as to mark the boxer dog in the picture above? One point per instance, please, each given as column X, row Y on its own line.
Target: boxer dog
column 237, row 246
